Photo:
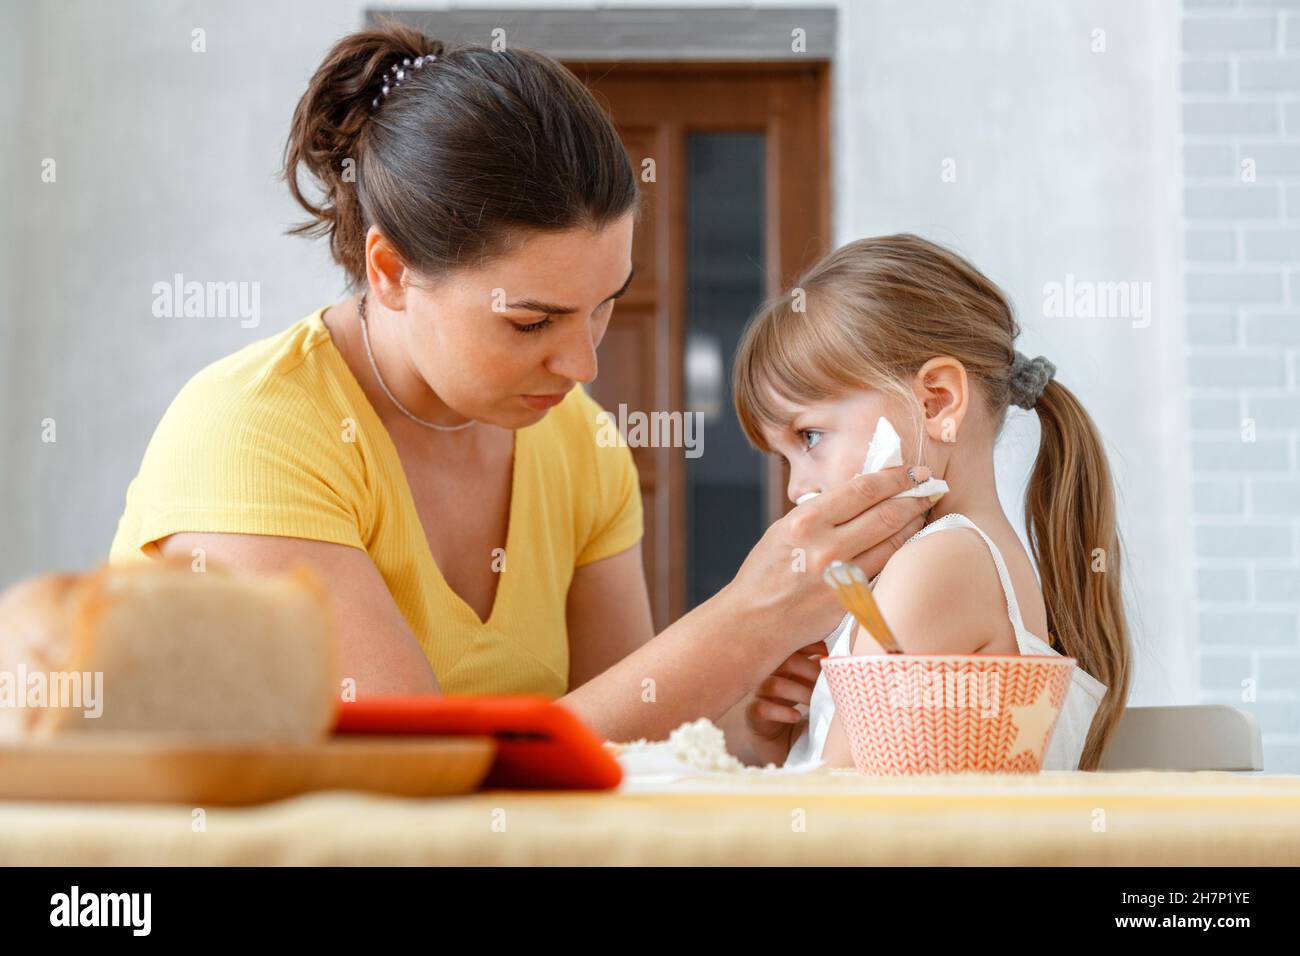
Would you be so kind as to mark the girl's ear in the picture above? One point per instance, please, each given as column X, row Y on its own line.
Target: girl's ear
column 943, row 391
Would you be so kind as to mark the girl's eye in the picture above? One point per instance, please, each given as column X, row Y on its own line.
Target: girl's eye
column 805, row 433
column 534, row 326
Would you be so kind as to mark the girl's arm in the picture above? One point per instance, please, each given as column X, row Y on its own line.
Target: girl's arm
column 939, row 595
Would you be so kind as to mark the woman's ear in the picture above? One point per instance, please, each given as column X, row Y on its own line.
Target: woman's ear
column 385, row 270
column 943, row 391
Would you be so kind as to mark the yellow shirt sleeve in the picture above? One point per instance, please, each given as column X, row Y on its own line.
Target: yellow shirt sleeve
column 248, row 457
column 619, row 518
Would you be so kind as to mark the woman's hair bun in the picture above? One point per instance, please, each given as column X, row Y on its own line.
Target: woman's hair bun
column 459, row 157
column 331, row 119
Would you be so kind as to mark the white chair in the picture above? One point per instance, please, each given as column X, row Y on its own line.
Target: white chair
column 1192, row 737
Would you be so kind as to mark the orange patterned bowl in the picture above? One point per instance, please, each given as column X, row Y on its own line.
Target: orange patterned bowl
column 948, row 713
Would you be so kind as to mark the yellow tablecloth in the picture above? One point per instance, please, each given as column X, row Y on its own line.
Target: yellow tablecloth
column 827, row 817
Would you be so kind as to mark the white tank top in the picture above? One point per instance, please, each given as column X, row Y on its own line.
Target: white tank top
column 1081, row 700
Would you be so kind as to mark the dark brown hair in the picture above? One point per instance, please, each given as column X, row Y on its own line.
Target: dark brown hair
column 458, row 158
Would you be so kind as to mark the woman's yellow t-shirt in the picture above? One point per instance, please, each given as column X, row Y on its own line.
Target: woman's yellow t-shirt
column 279, row 439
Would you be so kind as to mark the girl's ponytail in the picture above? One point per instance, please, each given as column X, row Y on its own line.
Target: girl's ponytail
column 1070, row 521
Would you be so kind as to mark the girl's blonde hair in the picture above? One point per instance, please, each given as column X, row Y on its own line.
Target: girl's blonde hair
column 869, row 315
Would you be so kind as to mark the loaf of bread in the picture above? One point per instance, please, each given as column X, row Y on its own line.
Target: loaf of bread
column 206, row 656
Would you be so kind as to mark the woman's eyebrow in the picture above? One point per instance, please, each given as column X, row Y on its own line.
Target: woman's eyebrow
column 550, row 308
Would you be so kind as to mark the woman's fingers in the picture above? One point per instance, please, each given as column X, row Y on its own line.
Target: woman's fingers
column 861, row 519
column 882, row 530
column 866, row 519
column 848, row 501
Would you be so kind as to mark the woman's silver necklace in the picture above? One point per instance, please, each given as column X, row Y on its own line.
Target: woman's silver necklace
column 365, row 337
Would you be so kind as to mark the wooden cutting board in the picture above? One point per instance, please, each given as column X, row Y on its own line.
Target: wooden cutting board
column 96, row 768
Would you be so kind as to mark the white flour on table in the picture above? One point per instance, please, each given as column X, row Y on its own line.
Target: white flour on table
column 696, row 747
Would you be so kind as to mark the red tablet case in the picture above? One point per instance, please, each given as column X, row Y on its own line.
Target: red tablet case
column 541, row 745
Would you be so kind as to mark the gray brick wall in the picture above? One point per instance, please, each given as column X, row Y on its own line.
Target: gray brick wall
column 1240, row 83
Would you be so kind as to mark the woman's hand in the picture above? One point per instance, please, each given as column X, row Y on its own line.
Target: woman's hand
column 710, row 661
column 778, row 594
column 771, row 711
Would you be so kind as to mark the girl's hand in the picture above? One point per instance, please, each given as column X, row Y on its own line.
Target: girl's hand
column 771, row 711
column 778, row 596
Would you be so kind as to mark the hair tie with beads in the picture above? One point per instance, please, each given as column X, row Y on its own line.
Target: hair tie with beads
column 398, row 72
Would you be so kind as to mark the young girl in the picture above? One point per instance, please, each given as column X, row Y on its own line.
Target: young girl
column 899, row 327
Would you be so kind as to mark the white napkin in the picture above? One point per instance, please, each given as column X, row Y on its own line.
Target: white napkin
column 886, row 451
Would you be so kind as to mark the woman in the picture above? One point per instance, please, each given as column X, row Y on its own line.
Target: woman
column 423, row 445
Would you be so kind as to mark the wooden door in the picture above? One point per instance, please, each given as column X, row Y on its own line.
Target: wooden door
column 774, row 118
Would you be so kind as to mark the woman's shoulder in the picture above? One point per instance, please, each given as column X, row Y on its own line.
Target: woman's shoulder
column 279, row 377
column 250, row 445
column 266, row 364
column 274, row 404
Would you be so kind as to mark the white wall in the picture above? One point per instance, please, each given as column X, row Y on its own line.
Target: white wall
column 1241, row 162
column 166, row 162
column 167, row 159
column 1067, row 163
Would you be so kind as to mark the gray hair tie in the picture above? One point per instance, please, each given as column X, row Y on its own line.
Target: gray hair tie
column 1029, row 376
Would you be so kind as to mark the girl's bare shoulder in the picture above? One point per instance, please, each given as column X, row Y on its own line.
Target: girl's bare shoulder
column 940, row 594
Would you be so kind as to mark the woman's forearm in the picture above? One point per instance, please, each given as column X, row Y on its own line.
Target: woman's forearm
column 707, row 661
column 700, row 666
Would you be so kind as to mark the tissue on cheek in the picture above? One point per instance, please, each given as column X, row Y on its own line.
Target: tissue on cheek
column 886, row 451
